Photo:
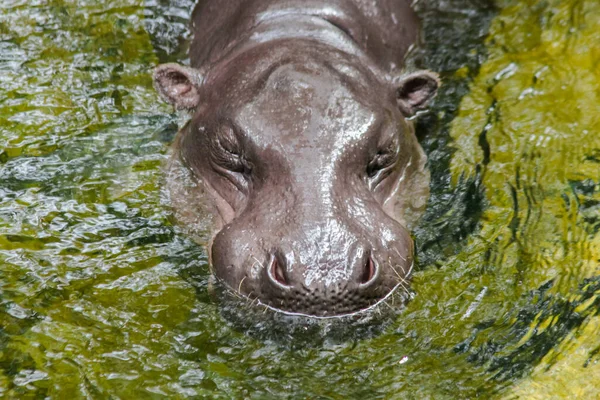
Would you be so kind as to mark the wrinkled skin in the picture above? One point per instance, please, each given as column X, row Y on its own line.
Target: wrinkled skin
column 300, row 148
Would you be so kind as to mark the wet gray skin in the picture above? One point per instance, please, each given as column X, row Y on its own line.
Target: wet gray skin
column 299, row 145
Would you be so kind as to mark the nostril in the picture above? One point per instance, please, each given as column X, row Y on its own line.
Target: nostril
column 368, row 272
column 276, row 272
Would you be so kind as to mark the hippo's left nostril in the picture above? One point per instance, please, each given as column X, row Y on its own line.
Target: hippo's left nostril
column 277, row 274
column 368, row 272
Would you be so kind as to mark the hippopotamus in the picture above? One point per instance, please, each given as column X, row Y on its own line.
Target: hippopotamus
column 301, row 149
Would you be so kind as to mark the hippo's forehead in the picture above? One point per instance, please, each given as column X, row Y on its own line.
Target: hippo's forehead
column 304, row 109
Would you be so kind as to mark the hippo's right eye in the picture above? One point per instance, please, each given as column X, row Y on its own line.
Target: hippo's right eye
column 381, row 162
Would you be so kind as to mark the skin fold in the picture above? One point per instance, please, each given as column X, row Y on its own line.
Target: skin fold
column 299, row 151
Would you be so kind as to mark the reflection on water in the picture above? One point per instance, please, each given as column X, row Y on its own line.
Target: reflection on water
column 530, row 121
column 100, row 295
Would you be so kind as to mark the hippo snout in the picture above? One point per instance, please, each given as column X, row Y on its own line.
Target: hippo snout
column 320, row 278
column 286, row 290
column 282, row 272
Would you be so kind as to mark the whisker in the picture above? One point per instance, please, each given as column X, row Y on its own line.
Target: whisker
column 395, row 271
column 412, row 264
column 258, row 261
column 401, row 281
column 387, row 305
column 404, row 287
column 240, row 285
column 400, row 255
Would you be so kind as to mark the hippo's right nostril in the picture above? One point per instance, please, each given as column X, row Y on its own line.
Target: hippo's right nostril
column 276, row 273
column 368, row 272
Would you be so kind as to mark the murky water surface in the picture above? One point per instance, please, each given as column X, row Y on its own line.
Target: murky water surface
column 102, row 297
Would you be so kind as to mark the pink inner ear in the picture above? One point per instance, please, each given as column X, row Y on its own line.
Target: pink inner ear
column 179, row 89
column 417, row 91
column 177, row 85
column 418, row 97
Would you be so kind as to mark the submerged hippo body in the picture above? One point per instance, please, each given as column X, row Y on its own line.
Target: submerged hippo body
column 299, row 142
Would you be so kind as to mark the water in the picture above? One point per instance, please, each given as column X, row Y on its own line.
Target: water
column 101, row 296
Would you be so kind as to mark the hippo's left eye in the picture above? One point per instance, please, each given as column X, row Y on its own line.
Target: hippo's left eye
column 381, row 162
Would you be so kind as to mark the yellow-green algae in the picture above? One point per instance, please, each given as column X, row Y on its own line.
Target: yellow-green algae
column 537, row 101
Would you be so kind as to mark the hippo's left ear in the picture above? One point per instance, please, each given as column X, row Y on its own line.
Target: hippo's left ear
column 178, row 85
column 415, row 90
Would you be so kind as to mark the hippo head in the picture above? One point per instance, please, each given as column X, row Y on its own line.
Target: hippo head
column 314, row 169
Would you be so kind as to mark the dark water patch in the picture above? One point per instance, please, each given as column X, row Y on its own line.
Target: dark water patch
column 533, row 331
column 587, row 202
column 453, row 45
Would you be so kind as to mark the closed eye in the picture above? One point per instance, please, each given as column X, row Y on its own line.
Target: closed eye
column 381, row 161
column 227, row 152
column 228, row 158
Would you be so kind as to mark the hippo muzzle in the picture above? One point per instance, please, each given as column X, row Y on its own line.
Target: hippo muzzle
column 333, row 267
column 305, row 151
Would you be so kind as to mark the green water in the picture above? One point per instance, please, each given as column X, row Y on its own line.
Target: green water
column 101, row 296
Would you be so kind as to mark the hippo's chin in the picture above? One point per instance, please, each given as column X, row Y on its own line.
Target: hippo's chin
column 393, row 298
column 390, row 302
column 269, row 323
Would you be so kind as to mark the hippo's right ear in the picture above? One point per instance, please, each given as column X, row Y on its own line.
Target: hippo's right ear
column 178, row 85
column 414, row 91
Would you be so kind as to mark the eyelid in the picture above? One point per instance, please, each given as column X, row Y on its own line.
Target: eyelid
column 386, row 157
column 227, row 154
column 228, row 140
column 380, row 162
column 237, row 130
column 228, row 160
